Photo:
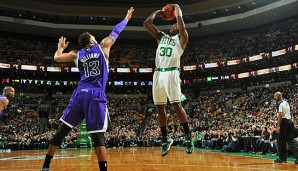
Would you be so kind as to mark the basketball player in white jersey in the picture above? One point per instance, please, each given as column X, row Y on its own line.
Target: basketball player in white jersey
column 166, row 80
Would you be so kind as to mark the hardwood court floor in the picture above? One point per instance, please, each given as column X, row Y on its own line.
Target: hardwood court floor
column 139, row 159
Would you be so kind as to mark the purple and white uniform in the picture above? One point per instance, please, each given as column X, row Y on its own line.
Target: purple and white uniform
column 89, row 100
column 2, row 97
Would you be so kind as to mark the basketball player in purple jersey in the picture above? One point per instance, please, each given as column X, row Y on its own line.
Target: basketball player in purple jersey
column 88, row 100
column 8, row 93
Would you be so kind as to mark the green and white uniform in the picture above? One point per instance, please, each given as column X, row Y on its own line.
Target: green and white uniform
column 166, row 78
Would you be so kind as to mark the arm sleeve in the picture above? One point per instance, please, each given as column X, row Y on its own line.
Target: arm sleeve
column 118, row 28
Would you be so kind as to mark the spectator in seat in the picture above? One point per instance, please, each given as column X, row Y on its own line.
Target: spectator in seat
column 232, row 145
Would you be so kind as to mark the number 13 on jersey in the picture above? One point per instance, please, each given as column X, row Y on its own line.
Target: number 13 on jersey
column 91, row 68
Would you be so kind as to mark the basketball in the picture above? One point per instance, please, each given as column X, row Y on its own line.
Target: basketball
column 169, row 13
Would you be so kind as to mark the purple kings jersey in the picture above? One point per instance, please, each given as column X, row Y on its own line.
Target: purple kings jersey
column 2, row 97
column 93, row 68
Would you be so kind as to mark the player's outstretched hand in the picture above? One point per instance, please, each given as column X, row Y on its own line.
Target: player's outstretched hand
column 62, row 44
column 129, row 13
column 175, row 5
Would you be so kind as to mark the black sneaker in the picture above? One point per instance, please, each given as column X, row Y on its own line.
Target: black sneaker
column 189, row 144
column 279, row 161
column 166, row 146
column 45, row 169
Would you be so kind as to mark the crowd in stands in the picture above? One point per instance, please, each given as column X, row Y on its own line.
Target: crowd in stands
column 31, row 122
column 248, row 124
column 139, row 53
column 27, row 124
column 240, row 45
column 251, row 119
column 23, row 49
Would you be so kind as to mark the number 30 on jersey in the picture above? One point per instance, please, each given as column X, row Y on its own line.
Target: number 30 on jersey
column 165, row 51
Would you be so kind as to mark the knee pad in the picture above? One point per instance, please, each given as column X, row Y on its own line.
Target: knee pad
column 98, row 138
column 60, row 134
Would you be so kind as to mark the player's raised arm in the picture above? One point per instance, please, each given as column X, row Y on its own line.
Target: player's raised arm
column 151, row 28
column 181, row 26
column 107, row 42
column 64, row 57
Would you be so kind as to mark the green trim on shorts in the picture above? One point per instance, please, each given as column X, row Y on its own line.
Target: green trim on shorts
column 166, row 69
column 183, row 99
column 175, row 101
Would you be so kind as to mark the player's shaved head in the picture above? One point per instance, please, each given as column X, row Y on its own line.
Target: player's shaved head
column 8, row 91
column 278, row 96
column 7, row 88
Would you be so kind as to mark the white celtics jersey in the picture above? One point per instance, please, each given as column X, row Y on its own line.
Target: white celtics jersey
column 168, row 52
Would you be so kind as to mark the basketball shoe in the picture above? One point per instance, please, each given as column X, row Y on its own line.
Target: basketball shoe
column 166, row 146
column 189, row 144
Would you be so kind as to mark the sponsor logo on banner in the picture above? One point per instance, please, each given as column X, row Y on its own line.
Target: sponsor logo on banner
column 29, row 67
column 255, row 58
column 3, row 65
column 284, row 68
column 145, row 70
column 123, row 70
column 53, row 69
column 74, row 69
column 279, row 52
column 263, row 71
column 189, row 68
column 211, row 65
column 233, row 62
column 243, row 75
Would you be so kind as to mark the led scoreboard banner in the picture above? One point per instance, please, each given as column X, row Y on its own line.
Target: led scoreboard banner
column 29, row 67
column 3, row 65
